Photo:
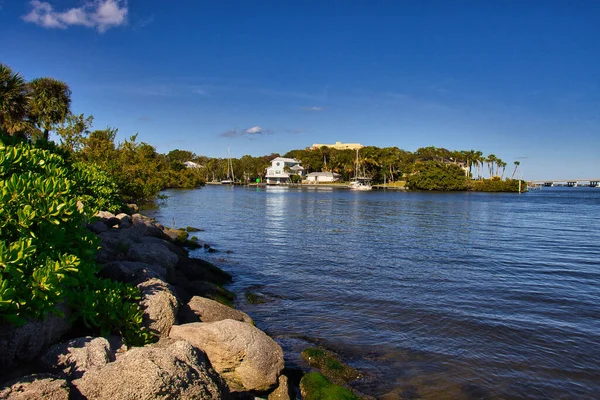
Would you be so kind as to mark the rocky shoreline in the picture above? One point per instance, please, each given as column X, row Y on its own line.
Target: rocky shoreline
column 205, row 348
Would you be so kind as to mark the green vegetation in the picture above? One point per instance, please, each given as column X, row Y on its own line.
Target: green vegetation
column 47, row 256
column 330, row 365
column 315, row 386
column 497, row 185
column 435, row 175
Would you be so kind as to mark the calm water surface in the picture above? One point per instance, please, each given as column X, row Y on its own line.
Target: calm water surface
column 431, row 295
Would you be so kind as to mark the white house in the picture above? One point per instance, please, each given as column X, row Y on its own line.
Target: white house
column 191, row 164
column 316, row 177
column 277, row 173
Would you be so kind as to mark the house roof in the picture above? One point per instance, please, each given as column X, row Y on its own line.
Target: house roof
column 286, row 160
column 296, row 167
column 326, row 173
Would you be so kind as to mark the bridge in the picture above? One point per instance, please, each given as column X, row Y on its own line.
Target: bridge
column 591, row 182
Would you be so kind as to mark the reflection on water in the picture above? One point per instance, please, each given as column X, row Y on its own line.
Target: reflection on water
column 457, row 296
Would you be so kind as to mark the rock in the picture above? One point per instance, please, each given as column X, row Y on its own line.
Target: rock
column 35, row 387
column 314, row 386
column 105, row 214
column 149, row 227
column 133, row 208
column 330, row 365
column 207, row 310
column 24, row 343
column 132, row 271
column 243, row 355
column 159, row 305
column 198, row 269
column 282, row 392
column 171, row 370
column 151, row 240
column 152, row 254
column 77, row 356
column 211, row 291
column 193, row 229
column 111, row 222
column 97, row 227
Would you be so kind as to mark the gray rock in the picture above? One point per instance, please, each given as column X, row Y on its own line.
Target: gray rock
column 151, row 240
column 133, row 207
column 111, row 222
column 208, row 310
column 282, row 392
column 132, row 271
column 77, row 356
column 159, row 305
column 174, row 370
column 125, row 221
column 148, row 225
column 35, row 387
column 246, row 357
column 105, row 214
column 19, row 344
column 97, row 227
column 152, row 254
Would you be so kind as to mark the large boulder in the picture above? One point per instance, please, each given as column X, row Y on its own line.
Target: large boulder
column 35, row 387
column 76, row 356
column 19, row 344
column 147, row 226
column 171, row 370
column 159, row 305
column 151, row 240
column 202, row 309
column 132, row 271
column 152, row 253
column 198, row 269
column 246, row 357
column 209, row 290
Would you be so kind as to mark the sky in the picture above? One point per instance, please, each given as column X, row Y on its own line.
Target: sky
column 519, row 79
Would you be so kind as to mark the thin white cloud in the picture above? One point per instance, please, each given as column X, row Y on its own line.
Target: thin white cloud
column 201, row 91
column 98, row 14
column 313, row 109
column 255, row 130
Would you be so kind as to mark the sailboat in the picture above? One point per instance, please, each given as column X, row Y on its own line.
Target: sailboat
column 230, row 177
column 360, row 182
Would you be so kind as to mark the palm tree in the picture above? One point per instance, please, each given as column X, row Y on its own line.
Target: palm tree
column 49, row 103
column 517, row 163
column 491, row 161
column 13, row 100
column 501, row 164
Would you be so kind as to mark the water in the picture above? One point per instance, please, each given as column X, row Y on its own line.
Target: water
column 430, row 295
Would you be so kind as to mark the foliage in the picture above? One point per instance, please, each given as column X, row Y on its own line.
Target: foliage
column 315, row 386
column 95, row 189
column 497, row 185
column 49, row 103
column 47, row 256
column 13, row 100
column 435, row 175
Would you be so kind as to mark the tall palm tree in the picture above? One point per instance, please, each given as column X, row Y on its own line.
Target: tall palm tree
column 517, row 163
column 13, row 100
column 491, row 162
column 49, row 103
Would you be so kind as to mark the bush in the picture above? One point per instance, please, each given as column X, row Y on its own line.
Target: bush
column 47, row 256
column 434, row 175
column 497, row 185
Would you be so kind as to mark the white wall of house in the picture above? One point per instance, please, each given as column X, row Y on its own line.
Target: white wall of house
column 322, row 177
column 276, row 173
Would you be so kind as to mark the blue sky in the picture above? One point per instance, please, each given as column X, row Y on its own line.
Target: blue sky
column 520, row 79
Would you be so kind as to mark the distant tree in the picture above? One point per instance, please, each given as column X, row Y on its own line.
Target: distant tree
column 517, row 163
column 74, row 132
column 13, row 101
column 435, row 175
column 49, row 103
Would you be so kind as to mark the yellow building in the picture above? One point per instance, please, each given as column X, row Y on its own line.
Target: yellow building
column 339, row 146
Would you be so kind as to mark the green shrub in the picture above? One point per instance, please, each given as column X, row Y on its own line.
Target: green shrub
column 497, row 185
column 47, row 256
column 434, row 175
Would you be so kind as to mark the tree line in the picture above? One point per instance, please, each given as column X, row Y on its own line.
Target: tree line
column 31, row 110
